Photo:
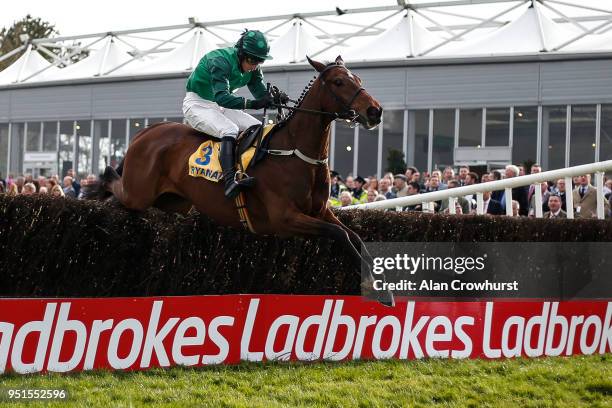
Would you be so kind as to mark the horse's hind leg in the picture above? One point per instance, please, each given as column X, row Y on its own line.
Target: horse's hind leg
column 303, row 224
column 134, row 195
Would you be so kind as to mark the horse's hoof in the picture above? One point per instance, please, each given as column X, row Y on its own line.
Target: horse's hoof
column 388, row 300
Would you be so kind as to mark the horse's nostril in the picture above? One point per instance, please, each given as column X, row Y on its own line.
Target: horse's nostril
column 374, row 113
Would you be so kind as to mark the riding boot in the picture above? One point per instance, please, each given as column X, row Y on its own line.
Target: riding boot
column 228, row 165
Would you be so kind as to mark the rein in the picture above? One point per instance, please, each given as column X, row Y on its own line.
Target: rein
column 347, row 114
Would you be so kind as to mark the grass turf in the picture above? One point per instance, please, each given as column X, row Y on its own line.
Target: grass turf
column 561, row 381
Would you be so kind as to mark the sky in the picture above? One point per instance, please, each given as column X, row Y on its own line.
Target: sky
column 73, row 17
column 83, row 17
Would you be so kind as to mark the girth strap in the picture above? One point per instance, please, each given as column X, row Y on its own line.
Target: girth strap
column 310, row 160
column 243, row 213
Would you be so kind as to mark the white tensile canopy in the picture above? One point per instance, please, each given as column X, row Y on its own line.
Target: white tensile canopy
column 30, row 63
column 532, row 32
column 408, row 38
column 98, row 63
column 293, row 46
column 591, row 42
column 184, row 58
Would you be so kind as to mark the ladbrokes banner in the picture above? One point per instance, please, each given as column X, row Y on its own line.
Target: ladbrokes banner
column 138, row 333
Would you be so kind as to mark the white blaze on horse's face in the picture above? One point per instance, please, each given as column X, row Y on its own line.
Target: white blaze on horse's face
column 348, row 93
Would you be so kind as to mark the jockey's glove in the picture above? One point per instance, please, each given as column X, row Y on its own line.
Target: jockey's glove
column 261, row 103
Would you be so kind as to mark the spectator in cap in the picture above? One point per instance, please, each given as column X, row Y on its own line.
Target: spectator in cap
column 336, row 186
column 358, row 192
column 399, row 184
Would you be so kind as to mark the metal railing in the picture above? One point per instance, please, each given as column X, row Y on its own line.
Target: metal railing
column 427, row 199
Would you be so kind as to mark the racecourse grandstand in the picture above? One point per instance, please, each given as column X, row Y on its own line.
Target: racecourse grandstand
column 484, row 83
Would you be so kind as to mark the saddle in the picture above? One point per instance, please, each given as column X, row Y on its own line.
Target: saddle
column 251, row 147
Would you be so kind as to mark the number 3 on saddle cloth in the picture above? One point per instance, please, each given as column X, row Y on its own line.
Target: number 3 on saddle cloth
column 204, row 162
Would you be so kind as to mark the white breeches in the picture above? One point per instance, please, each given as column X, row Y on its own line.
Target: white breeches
column 212, row 119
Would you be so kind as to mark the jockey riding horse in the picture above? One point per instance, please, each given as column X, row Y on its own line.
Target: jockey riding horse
column 211, row 107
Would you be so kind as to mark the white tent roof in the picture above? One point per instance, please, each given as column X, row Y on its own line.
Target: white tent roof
column 181, row 59
column 591, row 42
column 28, row 64
column 408, row 38
column 532, row 32
column 295, row 44
column 98, row 63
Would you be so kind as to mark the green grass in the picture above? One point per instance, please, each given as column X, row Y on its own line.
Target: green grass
column 571, row 381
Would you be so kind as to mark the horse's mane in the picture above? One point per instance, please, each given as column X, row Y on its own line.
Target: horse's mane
column 283, row 122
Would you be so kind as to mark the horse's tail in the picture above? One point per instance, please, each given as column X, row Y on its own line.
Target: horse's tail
column 99, row 190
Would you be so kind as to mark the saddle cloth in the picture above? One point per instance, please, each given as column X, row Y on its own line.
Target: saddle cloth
column 204, row 162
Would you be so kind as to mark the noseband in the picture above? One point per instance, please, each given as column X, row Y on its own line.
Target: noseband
column 347, row 113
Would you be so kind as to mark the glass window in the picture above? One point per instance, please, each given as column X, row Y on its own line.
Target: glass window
column 66, row 152
column 343, row 148
column 117, row 141
column 83, row 131
column 136, row 125
column 525, row 136
column 393, row 135
column 470, row 127
column 33, row 137
column 582, row 135
column 554, row 120
column 101, row 146
column 605, row 137
column 50, row 136
column 177, row 119
column 497, row 127
column 17, row 145
column 443, row 134
column 4, row 136
column 367, row 162
column 418, row 123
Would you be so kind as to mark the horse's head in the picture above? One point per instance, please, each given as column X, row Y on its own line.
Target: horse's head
column 342, row 93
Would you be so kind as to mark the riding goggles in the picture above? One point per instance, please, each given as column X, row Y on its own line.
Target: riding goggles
column 253, row 60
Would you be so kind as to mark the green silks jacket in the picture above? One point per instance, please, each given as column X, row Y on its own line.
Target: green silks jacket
column 218, row 75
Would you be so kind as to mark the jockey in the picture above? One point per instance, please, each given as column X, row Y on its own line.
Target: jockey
column 211, row 107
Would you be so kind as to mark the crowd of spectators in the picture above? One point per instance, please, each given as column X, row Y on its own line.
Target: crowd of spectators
column 357, row 190
column 69, row 186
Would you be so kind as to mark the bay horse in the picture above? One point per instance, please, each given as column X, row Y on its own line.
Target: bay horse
column 291, row 193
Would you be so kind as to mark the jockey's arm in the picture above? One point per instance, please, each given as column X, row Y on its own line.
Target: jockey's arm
column 219, row 73
column 256, row 84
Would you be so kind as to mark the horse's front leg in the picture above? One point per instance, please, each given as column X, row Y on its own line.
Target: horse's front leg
column 329, row 216
column 302, row 224
column 366, row 257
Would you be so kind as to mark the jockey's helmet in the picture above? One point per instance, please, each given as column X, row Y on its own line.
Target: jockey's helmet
column 255, row 44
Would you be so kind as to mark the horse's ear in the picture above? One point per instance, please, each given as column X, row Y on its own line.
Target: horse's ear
column 339, row 60
column 316, row 64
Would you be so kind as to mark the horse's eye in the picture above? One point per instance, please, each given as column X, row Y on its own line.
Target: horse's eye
column 338, row 82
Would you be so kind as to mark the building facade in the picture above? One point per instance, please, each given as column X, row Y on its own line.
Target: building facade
column 482, row 112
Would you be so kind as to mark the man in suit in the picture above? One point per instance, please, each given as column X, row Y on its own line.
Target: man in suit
column 585, row 199
column 461, row 201
column 519, row 194
column 560, row 187
column 554, row 204
column 491, row 206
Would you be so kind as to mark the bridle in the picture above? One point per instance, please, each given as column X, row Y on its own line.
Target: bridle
column 347, row 113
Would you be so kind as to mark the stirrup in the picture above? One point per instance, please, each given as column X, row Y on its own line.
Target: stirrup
column 243, row 179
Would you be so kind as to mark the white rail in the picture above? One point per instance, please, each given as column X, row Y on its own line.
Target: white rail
column 427, row 199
